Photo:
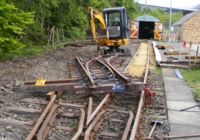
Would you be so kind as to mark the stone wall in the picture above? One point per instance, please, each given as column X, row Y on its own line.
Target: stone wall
column 190, row 30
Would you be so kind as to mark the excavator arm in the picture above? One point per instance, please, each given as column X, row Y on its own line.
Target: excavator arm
column 94, row 16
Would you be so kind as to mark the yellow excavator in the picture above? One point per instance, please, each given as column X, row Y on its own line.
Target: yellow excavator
column 114, row 24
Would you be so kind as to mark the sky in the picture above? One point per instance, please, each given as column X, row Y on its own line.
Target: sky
column 180, row 4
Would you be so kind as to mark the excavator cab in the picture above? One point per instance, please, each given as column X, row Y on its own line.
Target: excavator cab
column 116, row 23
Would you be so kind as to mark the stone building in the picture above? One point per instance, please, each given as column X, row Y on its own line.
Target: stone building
column 188, row 27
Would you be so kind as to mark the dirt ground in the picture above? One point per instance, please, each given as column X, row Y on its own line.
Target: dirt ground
column 52, row 66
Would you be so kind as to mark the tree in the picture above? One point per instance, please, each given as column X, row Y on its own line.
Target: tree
column 12, row 24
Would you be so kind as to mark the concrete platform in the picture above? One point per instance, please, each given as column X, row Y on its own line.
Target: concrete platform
column 179, row 96
column 184, row 129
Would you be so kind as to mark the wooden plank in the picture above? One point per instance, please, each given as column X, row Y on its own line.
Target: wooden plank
column 16, row 123
column 109, row 134
column 175, row 53
column 65, row 128
column 192, row 57
column 116, row 120
column 28, row 125
column 173, row 66
column 40, row 101
column 37, row 111
column 23, row 110
column 69, row 115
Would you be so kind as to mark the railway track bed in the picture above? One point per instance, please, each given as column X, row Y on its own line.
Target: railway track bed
column 78, row 114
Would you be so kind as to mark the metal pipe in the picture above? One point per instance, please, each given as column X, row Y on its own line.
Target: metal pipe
column 81, row 124
column 105, row 99
column 40, row 119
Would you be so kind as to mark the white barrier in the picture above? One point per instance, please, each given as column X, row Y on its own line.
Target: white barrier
column 157, row 54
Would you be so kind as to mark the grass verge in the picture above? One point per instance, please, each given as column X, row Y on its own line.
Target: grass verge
column 192, row 78
column 29, row 51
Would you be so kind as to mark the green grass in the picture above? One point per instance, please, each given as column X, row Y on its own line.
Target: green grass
column 158, row 70
column 29, row 51
column 25, row 52
column 192, row 78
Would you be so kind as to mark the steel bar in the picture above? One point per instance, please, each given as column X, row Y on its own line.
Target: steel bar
column 123, row 77
column 92, row 125
column 89, row 108
column 81, row 124
column 141, row 104
column 96, row 127
column 88, row 74
column 128, row 126
column 107, row 67
column 43, row 131
column 79, row 88
column 98, row 108
column 137, row 118
column 49, row 125
column 69, row 80
column 40, row 119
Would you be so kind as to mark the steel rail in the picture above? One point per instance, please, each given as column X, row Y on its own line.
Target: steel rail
column 40, row 119
column 43, row 131
column 123, row 77
column 141, row 102
column 92, row 125
column 128, row 126
column 88, row 74
column 89, row 108
column 98, row 108
column 106, row 66
column 81, row 124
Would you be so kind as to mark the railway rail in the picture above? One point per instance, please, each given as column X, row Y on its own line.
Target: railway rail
column 106, row 115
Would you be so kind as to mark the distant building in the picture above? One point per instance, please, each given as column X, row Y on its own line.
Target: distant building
column 188, row 27
column 146, row 27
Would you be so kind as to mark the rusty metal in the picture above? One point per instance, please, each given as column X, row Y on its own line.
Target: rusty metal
column 128, row 126
column 81, row 124
column 141, row 104
column 89, row 108
column 88, row 74
column 92, row 125
column 69, row 80
column 40, row 119
column 43, row 131
column 106, row 66
column 123, row 77
column 80, row 88
column 98, row 108
column 49, row 125
column 96, row 127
